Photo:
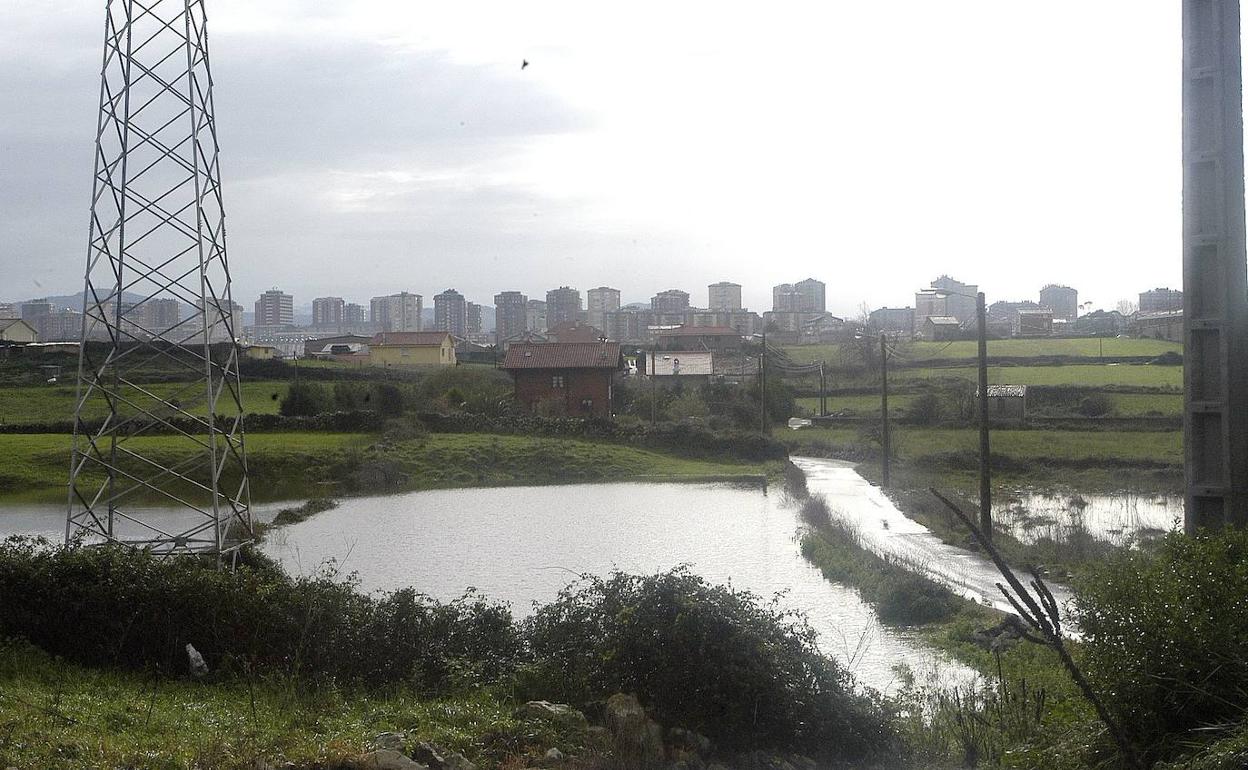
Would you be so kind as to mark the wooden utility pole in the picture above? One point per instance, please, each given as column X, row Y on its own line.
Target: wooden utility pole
column 762, row 379
column 985, row 477
column 885, row 439
column 654, row 384
column 823, row 392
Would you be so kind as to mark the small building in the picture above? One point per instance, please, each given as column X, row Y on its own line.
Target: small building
column 574, row 379
column 17, row 330
column 1034, row 323
column 1158, row 326
column 390, row 349
column 1007, row 402
column 262, row 351
column 940, row 328
column 707, row 338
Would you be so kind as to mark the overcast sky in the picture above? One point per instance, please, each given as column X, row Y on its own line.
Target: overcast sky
column 373, row 146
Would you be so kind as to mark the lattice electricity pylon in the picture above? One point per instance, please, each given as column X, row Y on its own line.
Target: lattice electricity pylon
column 157, row 306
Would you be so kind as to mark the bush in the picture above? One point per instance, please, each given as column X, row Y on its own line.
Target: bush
column 926, row 409
column 305, row 399
column 1095, row 405
column 688, row 406
column 478, row 390
column 709, row 658
column 113, row 606
column 1166, row 637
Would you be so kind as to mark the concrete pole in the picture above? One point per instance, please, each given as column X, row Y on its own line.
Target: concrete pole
column 1215, row 278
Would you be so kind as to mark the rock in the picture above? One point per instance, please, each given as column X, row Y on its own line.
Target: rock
column 553, row 755
column 389, row 740
column 637, row 740
column 199, row 669
column 689, row 741
column 560, row 713
column 765, row 760
column 458, row 761
column 385, row 759
column 598, row 738
column 429, row 754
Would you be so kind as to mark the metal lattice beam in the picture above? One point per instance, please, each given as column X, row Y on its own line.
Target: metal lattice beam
column 157, row 306
column 1215, row 276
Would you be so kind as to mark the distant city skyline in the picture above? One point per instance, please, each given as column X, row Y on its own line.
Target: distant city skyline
column 592, row 166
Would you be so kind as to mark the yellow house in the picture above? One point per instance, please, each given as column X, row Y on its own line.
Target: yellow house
column 412, row 349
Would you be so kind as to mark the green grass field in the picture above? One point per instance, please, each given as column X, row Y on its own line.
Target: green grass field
column 1091, row 375
column 1137, row 404
column 1018, row 348
column 915, row 443
column 1023, row 348
column 1125, row 404
column 285, row 465
column 858, row 405
column 56, row 715
column 1084, row 461
column 53, row 403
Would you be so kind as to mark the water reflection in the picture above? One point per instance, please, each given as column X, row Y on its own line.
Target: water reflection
column 523, row 544
column 1119, row 519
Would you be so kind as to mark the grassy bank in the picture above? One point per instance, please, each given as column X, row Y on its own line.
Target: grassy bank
column 1120, row 404
column 1012, row 348
column 1087, row 461
column 55, row 403
column 55, row 714
column 1162, row 378
column 312, row 464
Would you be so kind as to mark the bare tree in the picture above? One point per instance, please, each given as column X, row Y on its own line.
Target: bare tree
column 1042, row 616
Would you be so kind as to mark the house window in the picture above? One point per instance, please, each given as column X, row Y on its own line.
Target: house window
column 556, row 381
column 587, row 405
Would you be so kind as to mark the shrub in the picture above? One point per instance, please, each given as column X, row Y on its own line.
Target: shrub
column 926, row 409
column 1166, row 636
column 815, row 512
column 141, row 611
column 688, row 406
column 305, row 399
column 389, row 399
column 1095, row 405
column 710, row 658
column 474, row 389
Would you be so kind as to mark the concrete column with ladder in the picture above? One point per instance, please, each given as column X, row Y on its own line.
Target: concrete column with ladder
column 1215, row 278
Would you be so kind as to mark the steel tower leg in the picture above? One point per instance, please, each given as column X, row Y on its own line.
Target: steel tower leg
column 159, row 417
column 1215, row 278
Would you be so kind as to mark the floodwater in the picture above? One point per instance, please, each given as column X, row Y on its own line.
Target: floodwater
column 523, row 544
column 882, row 528
column 1120, row 519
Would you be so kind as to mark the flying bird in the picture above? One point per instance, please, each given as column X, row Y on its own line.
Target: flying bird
column 524, row 63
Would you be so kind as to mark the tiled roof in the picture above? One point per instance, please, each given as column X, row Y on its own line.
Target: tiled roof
column 411, row 339
column 676, row 363
column 563, row 355
column 699, row 331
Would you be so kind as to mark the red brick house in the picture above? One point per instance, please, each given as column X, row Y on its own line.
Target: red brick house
column 576, row 379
